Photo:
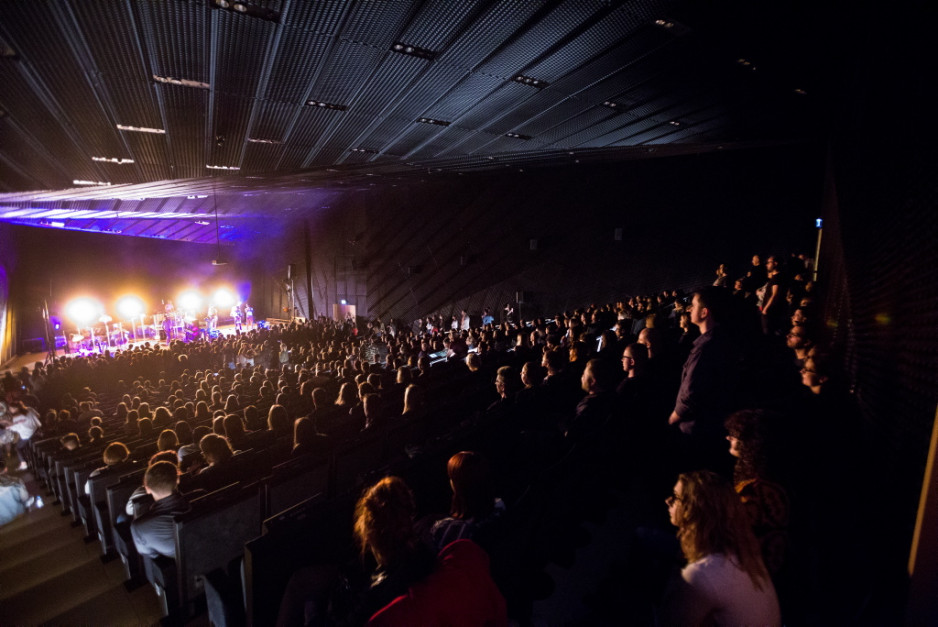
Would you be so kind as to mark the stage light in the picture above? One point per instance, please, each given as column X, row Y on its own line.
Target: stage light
column 130, row 307
column 189, row 300
column 83, row 311
column 223, row 298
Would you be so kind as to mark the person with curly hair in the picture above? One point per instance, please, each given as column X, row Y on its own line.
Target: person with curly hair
column 725, row 581
column 753, row 440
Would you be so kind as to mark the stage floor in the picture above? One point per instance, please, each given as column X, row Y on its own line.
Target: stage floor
column 29, row 359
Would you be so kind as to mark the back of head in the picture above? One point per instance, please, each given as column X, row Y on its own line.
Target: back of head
column 718, row 302
column 413, row 398
column 473, row 490
column 161, row 478
column 278, row 420
column 234, row 427
column 70, row 441
column 115, row 453
column 215, row 448
column 603, row 374
column 167, row 440
column 183, row 432
column 304, row 431
column 384, row 519
column 319, row 398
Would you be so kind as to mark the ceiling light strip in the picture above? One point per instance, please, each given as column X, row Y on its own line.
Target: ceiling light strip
column 140, row 129
column 182, row 82
column 112, row 160
column 413, row 51
column 326, row 105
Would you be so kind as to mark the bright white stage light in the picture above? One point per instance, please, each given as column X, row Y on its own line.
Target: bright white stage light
column 130, row 307
column 224, row 298
column 83, row 311
column 189, row 301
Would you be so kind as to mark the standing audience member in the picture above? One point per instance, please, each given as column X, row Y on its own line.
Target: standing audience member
column 708, row 384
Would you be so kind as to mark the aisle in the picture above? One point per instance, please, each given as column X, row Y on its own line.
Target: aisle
column 49, row 575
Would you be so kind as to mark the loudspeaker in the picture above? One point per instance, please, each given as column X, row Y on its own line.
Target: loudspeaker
column 519, row 297
column 291, row 270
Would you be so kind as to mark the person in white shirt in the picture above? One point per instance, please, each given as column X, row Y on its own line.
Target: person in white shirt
column 725, row 581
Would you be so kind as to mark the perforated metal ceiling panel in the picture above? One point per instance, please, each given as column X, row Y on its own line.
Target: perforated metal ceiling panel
column 320, row 94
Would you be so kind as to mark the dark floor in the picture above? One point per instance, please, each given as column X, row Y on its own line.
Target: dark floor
column 49, row 575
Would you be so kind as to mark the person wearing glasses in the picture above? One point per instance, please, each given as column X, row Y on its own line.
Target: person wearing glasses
column 725, row 581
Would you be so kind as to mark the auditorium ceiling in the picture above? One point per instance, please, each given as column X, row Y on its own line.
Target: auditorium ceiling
column 148, row 117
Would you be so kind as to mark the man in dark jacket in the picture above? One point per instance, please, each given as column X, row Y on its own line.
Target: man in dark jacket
column 153, row 531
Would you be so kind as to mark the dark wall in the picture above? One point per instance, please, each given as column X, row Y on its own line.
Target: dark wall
column 883, row 260
column 477, row 240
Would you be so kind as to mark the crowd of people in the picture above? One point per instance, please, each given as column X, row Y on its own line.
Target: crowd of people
column 715, row 388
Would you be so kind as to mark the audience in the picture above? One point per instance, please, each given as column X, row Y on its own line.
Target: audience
column 552, row 377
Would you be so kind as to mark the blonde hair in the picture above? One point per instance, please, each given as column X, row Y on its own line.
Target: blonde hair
column 712, row 520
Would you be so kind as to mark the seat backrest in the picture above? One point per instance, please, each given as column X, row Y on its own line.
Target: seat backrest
column 118, row 493
column 314, row 531
column 294, row 481
column 213, row 534
column 355, row 462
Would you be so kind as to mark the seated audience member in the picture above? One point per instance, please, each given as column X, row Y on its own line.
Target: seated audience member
column 414, row 402
column 139, row 500
column 374, row 413
column 13, row 496
column 183, row 433
column 95, row 435
column 475, row 510
column 458, row 593
column 278, row 422
column 217, row 453
column 754, row 441
column 725, row 581
column 234, row 431
column 70, row 442
column 152, row 531
column 599, row 404
column 167, row 441
column 307, row 440
column 144, row 428
column 507, row 384
column 385, row 534
column 190, row 454
column 116, row 458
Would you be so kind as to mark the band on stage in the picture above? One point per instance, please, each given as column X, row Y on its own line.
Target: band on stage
column 170, row 324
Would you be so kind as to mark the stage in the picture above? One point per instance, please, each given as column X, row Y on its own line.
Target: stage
column 29, row 359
